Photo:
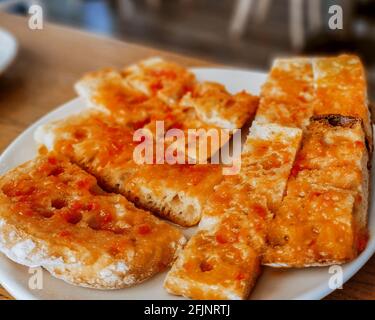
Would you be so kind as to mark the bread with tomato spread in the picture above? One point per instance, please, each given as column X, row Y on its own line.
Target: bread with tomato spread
column 215, row 106
column 175, row 192
column 54, row 215
column 164, row 79
column 341, row 88
column 223, row 261
column 267, row 159
column 106, row 91
column 287, row 95
column 156, row 89
column 323, row 218
column 144, row 92
column 177, row 86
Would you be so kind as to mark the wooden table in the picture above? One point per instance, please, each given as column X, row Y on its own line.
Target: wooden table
column 42, row 77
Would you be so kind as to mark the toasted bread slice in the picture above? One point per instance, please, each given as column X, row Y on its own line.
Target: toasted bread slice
column 267, row 159
column 334, row 154
column 176, row 86
column 208, row 270
column 312, row 228
column 157, row 77
column 107, row 91
column 53, row 214
column 201, row 141
column 215, row 106
column 90, row 139
column 152, row 90
column 176, row 192
column 324, row 216
column 223, row 260
column 266, row 162
column 125, row 92
column 235, row 218
column 210, row 116
column 236, row 198
column 286, row 97
column 341, row 88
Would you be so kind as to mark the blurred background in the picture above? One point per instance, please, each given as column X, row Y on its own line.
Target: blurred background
column 244, row 33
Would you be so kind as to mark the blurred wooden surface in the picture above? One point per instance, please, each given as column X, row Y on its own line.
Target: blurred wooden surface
column 42, row 77
column 4, row 295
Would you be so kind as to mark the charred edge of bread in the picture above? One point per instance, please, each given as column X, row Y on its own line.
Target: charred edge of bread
column 371, row 107
column 337, row 120
column 369, row 140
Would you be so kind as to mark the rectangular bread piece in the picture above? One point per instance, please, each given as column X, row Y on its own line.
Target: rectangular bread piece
column 286, row 97
column 266, row 162
column 315, row 229
column 267, row 159
column 340, row 85
column 175, row 192
column 211, row 116
column 215, row 106
column 107, row 91
column 155, row 89
column 177, row 87
column 156, row 77
column 201, row 142
column 323, row 218
column 53, row 214
column 234, row 222
column 90, row 140
column 207, row 270
column 223, row 261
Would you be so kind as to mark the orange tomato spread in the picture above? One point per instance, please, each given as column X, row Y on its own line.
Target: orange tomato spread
column 322, row 219
column 55, row 201
column 286, row 97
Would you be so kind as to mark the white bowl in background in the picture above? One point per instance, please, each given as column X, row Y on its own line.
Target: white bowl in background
column 8, row 49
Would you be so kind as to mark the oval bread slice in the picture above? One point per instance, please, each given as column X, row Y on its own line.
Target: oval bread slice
column 53, row 214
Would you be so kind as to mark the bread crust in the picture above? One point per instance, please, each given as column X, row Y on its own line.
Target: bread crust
column 174, row 192
column 267, row 158
column 215, row 106
column 332, row 144
column 81, row 235
column 208, row 269
column 341, row 88
column 157, row 89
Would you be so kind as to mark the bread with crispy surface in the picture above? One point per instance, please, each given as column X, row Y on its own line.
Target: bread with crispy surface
column 323, row 218
column 54, row 215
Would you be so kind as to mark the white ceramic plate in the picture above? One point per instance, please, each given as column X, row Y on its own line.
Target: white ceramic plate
column 8, row 49
column 309, row 283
